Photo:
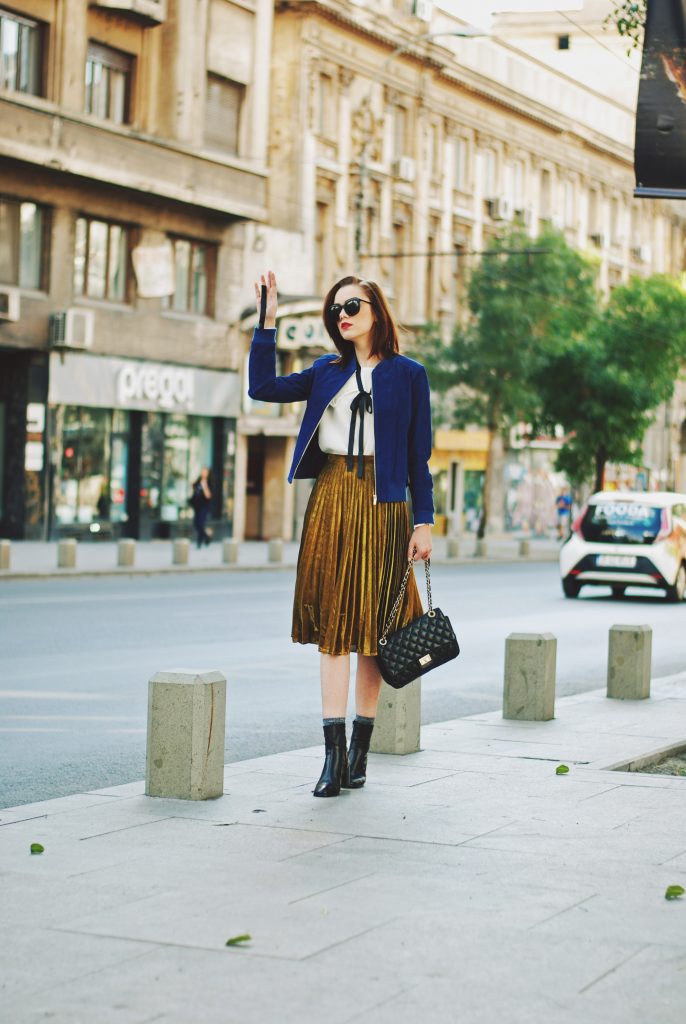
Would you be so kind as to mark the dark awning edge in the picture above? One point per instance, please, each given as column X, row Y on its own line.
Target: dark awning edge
column 659, row 193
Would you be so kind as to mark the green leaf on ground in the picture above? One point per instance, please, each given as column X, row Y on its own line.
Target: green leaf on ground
column 673, row 892
column 238, row 940
column 561, row 769
column 37, row 848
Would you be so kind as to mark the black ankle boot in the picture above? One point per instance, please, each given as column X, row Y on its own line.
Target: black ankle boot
column 335, row 771
column 357, row 755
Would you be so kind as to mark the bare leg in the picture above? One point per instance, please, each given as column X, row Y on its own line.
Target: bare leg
column 334, row 671
column 367, row 685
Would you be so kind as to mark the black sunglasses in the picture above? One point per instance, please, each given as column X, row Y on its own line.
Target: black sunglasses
column 351, row 307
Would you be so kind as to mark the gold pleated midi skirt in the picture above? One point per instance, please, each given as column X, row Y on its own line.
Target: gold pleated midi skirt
column 353, row 555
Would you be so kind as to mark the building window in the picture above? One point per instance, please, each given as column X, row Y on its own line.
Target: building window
column 21, row 243
column 570, row 204
column 108, row 84
column 401, row 136
column 461, row 154
column 101, row 257
column 193, row 273
column 326, row 107
column 546, row 195
column 490, row 174
column 20, row 54
column 563, row 42
column 223, row 105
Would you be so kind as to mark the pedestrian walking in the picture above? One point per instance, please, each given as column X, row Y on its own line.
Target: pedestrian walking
column 365, row 434
column 201, row 503
column 563, row 506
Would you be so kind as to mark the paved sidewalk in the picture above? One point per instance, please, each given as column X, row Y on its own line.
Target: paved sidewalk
column 36, row 559
column 466, row 883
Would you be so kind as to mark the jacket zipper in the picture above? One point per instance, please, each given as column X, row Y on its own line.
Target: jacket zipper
column 309, row 439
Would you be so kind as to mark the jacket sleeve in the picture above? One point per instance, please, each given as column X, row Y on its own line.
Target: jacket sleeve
column 420, row 480
column 263, row 384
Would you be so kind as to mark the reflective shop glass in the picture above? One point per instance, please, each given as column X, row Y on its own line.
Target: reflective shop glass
column 92, row 465
column 174, row 449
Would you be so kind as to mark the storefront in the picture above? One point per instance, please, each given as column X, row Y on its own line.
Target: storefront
column 23, row 389
column 127, row 440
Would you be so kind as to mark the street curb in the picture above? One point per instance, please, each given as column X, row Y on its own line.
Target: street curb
column 60, row 574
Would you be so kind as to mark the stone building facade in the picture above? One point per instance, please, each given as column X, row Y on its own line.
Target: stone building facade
column 133, row 151
column 403, row 155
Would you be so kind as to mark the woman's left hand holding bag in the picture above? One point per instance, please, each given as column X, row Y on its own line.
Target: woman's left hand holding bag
column 420, row 543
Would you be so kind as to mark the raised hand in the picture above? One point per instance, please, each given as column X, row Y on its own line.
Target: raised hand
column 272, row 300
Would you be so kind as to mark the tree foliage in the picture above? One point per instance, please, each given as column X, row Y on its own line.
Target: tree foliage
column 628, row 17
column 604, row 386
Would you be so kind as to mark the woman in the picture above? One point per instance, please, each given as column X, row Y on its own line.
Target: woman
column 201, row 501
column 365, row 433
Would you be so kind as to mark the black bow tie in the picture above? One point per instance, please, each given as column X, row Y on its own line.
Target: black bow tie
column 361, row 403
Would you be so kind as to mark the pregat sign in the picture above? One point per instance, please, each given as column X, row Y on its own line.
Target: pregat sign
column 164, row 387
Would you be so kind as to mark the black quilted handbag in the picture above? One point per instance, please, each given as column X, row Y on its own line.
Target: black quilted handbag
column 415, row 649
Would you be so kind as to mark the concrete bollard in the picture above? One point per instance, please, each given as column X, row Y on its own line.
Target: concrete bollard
column 186, row 729
column 5, row 549
column 180, row 551
column 453, row 547
column 481, row 549
column 529, row 687
column 524, row 548
column 275, row 550
column 126, row 552
column 398, row 720
column 628, row 662
column 230, row 552
column 66, row 553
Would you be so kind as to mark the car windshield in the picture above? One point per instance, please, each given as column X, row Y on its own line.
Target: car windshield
column 621, row 522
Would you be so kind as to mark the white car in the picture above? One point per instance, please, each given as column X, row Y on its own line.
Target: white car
column 628, row 539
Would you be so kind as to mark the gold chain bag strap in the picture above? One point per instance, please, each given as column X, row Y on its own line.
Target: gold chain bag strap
column 420, row 646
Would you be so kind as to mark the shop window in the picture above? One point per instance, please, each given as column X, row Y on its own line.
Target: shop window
column 108, row 84
column 20, row 54
column 193, row 277
column 101, row 258
column 223, row 106
column 21, row 243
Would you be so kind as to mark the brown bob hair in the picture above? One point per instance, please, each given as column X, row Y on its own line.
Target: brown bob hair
column 384, row 330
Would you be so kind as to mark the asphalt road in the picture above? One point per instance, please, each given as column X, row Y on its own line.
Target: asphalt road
column 76, row 655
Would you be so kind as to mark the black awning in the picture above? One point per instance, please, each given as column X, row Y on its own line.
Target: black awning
column 660, row 152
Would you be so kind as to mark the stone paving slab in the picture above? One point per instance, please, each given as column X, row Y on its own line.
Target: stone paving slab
column 467, row 882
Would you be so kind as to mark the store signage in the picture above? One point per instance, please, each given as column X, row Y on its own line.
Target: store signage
column 167, row 387
column 302, row 332
column 107, row 382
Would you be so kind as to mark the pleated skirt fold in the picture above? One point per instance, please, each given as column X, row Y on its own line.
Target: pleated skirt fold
column 353, row 555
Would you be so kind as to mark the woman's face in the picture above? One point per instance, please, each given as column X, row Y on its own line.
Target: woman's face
column 354, row 326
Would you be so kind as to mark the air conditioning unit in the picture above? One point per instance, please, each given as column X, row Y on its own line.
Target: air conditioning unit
column 71, row 328
column 9, row 303
column 403, row 168
column 423, row 9
column 500, row 208
column 642, row 253
column 599, row 240
column 525, row 215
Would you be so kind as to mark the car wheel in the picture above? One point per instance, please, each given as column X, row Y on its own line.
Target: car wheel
column 618, row 591
column 570, row 587
column 678, row 589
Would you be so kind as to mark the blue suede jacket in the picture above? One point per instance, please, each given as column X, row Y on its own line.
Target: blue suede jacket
column 401, row 410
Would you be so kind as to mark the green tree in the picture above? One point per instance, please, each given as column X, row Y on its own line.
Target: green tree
column 604, row 384
column 525, row 299
column 628, row 17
